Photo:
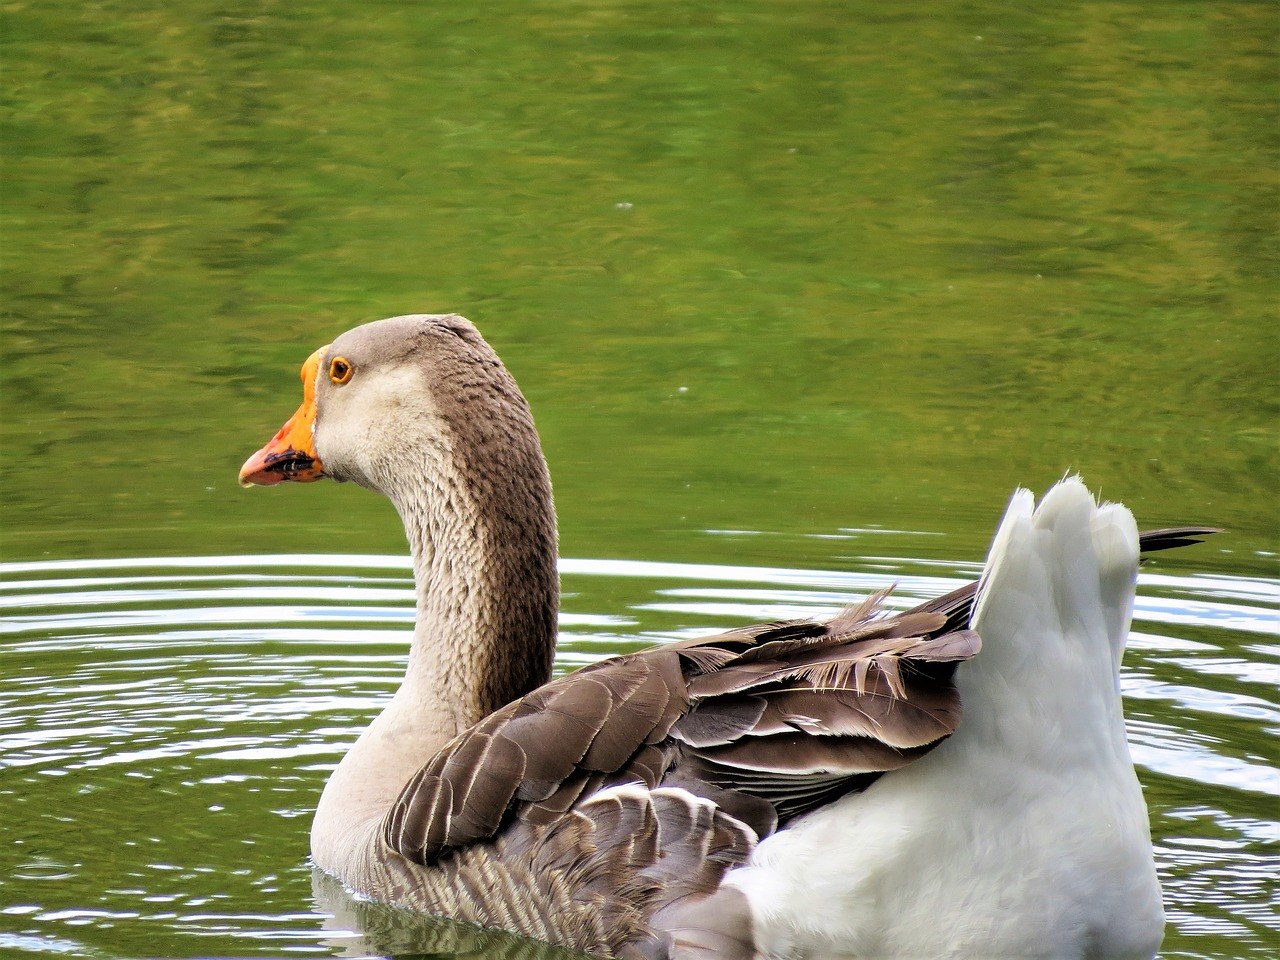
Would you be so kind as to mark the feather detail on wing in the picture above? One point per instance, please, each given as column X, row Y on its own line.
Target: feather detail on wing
column 769, row 720
column 630, row 872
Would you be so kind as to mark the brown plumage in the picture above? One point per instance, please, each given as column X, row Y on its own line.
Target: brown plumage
column 863, row 696
column 715, row 743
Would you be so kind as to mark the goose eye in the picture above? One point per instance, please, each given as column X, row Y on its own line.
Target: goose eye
column 340, row 370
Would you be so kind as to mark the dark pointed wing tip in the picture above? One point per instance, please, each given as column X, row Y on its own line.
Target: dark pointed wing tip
column 1170, row 537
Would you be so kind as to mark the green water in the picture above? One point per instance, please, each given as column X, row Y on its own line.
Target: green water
column 776, row 268
column 902, row 260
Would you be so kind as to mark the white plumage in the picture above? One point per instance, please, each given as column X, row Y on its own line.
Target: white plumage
column 1025, row 834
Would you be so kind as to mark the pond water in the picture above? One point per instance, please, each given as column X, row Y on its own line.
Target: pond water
column 798, row 292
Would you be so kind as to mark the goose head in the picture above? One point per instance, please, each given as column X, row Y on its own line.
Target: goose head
column 393, row 404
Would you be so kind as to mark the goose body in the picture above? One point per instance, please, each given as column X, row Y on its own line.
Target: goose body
column 798, row 790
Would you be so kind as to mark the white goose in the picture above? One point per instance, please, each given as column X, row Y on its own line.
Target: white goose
column 798, row 790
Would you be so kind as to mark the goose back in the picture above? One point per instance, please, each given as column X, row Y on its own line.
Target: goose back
column 616, row 798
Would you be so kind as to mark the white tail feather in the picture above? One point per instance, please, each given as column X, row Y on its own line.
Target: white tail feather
column 1025, row 834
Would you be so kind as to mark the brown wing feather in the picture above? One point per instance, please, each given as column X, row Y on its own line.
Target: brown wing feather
column 821, row 704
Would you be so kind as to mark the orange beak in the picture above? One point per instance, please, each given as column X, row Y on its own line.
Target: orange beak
column 291, row 454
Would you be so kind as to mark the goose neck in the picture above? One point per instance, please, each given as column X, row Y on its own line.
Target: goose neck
column 487, row 596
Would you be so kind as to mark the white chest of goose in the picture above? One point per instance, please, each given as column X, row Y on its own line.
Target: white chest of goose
column 799, row 790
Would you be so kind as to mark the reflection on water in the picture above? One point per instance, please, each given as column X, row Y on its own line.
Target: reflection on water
column 359, row 928
column 168, row 723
